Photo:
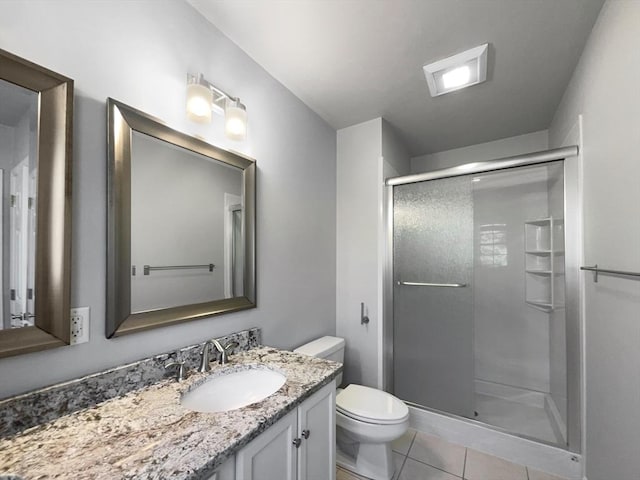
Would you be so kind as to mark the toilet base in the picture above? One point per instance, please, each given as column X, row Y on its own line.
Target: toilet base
column 372, row 460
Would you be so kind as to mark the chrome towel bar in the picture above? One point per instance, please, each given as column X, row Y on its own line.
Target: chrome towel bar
column 420, row 284
column 596, row 270
column 148, row 268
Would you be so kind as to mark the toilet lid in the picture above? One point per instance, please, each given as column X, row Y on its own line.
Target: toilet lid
column 371, row 405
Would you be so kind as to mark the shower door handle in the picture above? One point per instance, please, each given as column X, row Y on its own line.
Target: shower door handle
column 421, row 284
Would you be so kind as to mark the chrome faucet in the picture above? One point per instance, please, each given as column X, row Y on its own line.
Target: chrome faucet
column 205, row 361
column 224, row 351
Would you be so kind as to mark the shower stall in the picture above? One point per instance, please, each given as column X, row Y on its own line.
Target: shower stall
column 483, row 298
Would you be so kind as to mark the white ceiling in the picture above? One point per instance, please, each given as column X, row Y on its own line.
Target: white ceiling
column 354, row 60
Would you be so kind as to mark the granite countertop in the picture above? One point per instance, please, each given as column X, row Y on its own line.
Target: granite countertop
column 147, row 434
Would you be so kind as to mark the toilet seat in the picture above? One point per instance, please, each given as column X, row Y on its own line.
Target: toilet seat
column 371, row 405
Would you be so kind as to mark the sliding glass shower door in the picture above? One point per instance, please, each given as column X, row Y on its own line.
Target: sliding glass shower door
column 478, row 297
column 433, row 294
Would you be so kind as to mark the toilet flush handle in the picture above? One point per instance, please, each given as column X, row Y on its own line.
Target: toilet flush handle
column 363, row 318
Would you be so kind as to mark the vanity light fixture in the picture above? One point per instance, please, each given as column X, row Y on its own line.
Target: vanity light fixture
column 203, row 97
column 235, row 119
column 199, row 100
column 458, row 71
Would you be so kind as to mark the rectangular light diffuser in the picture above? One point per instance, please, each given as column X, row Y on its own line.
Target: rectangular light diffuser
column 458, row 71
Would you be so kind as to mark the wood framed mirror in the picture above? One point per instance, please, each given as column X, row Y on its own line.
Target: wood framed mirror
column 36, row 123
column 181, row 226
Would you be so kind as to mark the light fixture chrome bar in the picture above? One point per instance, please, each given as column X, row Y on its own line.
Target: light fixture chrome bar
column 219, row 95
column 596, row 270
column 421, row 284
column 148, row 268
column 487, row 166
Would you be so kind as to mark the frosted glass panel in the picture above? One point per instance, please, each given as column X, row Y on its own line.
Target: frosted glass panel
column 433, row 326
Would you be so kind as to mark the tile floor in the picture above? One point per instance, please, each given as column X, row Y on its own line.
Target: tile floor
column 419, row 456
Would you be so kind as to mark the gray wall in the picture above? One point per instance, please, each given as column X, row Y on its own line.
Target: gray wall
column 139, row 53
column 359, row 154
column 504, row 147
column 366, row 154
column 604, row 89
column 394, row 151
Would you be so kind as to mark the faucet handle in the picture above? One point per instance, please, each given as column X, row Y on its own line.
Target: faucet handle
column 181, row 369
column 224, row 351
column 231, row 345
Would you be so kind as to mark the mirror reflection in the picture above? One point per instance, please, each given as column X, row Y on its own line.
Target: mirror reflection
column 18, row 185
column 181, row 229
column 186, row 226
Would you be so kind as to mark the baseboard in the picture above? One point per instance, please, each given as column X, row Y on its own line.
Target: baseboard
column 539, row 456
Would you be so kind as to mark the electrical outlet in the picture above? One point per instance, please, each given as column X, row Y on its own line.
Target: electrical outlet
column 79, row 325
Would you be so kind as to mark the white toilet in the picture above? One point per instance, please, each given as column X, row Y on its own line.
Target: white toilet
column 367, row 419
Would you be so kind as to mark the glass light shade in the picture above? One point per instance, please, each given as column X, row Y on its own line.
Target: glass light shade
column 199, row 101
column 235, row 120
column 457, row 77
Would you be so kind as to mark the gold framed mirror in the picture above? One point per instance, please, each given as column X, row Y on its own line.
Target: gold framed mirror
column 181, row 226
column 36, row 123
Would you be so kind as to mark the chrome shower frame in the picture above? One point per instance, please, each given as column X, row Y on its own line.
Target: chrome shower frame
column 573, row 310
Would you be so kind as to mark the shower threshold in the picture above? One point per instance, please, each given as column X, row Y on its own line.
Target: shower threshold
column 524, row 433
column 516, row 417
column 539, row 454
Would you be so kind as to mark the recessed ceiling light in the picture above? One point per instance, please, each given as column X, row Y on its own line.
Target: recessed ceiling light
column 456, row 77
column 458, row 71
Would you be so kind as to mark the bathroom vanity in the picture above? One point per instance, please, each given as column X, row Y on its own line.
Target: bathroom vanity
column 147, row 432
column 300, row 446
column 309, row 429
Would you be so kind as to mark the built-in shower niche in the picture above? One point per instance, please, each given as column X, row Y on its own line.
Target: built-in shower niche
column 544, row 263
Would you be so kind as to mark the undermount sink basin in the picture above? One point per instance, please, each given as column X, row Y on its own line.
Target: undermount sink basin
column 233, row 390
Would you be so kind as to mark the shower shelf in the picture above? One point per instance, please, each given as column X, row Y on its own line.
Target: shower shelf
column 544, row 263
column 544, row 306
column 545, row 252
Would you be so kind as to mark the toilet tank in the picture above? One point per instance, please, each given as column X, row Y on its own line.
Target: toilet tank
column 329, row 348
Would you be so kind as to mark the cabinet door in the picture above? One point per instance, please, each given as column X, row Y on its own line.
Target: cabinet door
column 272, row 455
column 317, row 429
column 226, row 471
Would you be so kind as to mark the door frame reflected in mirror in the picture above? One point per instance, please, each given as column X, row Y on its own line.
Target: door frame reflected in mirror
column 123, row 121
column 53, row 221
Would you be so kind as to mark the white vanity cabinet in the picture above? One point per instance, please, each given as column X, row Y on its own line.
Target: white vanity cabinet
column 317, row 432
column 300, row 446
column 226, row 471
